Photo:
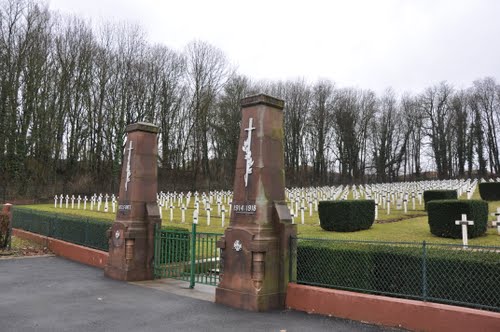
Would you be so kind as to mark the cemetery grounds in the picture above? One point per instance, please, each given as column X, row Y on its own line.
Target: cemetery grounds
column 394, row 227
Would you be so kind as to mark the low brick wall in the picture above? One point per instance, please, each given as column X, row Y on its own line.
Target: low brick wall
column 388, row 311
column 75, row 252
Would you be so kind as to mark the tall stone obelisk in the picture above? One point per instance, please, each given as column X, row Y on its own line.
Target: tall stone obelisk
column 131, row 237
column 255, row 247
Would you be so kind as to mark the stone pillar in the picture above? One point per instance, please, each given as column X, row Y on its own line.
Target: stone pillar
column 255, row 246
column 131, row 237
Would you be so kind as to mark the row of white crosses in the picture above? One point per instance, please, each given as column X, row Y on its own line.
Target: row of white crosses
column 170, row 200
column 401, row 196
column 95, row 200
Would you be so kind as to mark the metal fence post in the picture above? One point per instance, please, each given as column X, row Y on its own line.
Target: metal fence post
column 193, row 256
column 424, row 271
column 155, row 252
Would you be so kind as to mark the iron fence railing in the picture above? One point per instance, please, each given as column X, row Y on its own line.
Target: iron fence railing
column 79, row 230
column 423, row 271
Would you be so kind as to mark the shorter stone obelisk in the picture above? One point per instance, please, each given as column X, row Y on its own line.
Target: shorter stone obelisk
column 131, row 237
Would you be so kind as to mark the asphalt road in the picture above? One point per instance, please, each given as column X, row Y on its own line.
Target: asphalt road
column 54, row 294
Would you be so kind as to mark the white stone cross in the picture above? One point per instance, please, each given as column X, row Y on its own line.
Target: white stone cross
column 79, row 200
column 248, row 152
column 464, row 223
column 302, row 214
column 208, row 209
column 183, row 213
column 92, row 202
column 66, row 199
column 113, row 202
column 106, row 206
column 85, row 199
column 99, row 201
column 72, row 201
column 496, row 223
column 195, row 216
column 55, row 202
column 223, row 215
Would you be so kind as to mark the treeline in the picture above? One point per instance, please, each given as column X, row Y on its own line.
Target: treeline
column 68, row 89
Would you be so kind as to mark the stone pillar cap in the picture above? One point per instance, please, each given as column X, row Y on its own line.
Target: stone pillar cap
column 262, row 99
column 142, row 126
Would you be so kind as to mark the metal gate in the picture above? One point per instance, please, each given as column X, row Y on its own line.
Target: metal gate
column 188, row 256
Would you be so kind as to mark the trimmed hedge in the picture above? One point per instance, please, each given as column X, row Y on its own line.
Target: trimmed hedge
column 346, row 216
column 449, row 275
column 82, row 231
column 443, row 213
column 490, row 191
column 431, row 195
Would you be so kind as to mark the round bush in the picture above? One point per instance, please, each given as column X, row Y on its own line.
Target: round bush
column 346, row 216
column 443, row 213
column 431, row 195
column 490, row 191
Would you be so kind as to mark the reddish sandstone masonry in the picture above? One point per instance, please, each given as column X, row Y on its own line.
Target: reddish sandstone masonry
column 65, row 249
column 388, row 311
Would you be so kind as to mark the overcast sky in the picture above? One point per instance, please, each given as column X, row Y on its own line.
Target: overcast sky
column 409, row 45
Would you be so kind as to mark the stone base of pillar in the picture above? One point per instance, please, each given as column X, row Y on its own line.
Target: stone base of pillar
column 248, row 301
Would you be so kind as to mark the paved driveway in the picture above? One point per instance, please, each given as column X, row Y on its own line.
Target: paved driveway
column 54, row 294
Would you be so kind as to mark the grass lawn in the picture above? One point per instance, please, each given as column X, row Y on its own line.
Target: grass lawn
column 395, row 227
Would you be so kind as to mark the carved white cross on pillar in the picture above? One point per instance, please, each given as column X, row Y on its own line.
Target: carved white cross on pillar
column 248, row 152
column 464, row 223
column 129, row 172
column 496, row 223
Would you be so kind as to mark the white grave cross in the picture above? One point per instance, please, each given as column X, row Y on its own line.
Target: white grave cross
column 496, row 223
column 464, row 223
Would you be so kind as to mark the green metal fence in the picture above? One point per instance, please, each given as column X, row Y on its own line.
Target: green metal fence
column 83, row 231
column 430, row 272
column 188, row 256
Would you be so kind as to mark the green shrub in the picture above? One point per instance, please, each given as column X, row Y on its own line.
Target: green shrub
column 490, row 191
column 443, row 213
column 439, row 274
column 431, row 195
column 346, row 216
